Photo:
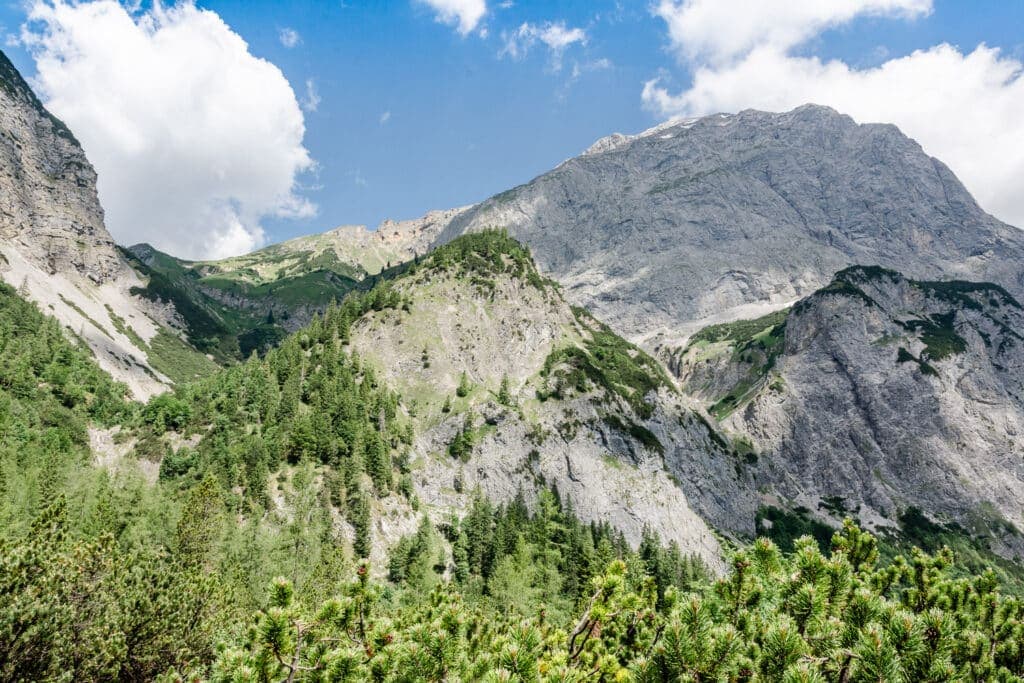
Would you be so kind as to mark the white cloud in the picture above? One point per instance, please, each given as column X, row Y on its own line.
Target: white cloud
column 556, row 36
column 721, row 29
column 195, row 140
column 289, row 37
column 965, row 108
column 311, row 102
column 385, row 117
column 463, row 14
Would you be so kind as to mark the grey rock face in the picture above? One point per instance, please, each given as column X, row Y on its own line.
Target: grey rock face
column 891, row 394
column 48, row 202
column 704, row 220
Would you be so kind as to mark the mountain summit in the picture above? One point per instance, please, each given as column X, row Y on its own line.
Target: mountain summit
column 719, row 218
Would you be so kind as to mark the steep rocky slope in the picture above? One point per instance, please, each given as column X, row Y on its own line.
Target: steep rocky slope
column 726, row 216
column 881, row 396
column 581, row 409
column 56, row 251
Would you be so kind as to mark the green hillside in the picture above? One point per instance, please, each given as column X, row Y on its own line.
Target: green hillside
column 244, row 305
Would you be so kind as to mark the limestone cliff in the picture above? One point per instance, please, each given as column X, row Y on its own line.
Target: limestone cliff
column 878, row 395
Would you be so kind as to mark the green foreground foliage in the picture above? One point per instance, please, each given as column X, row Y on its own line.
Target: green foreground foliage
column 802, row 617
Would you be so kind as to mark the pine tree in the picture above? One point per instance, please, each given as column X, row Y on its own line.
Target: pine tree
column 378, row 462
column 460, row 556
column 359, row 517
column 200, row 523
column 464, row 387
column 504, row 394
column 461, row 446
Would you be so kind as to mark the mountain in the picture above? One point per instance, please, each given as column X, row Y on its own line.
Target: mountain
column 352, row 249
column 689, row 224
column 880, row 396
column 238, row 305
column 893, row 397
column 512, row 390
column 56, row 251
column 730, row 216
column 895, row 400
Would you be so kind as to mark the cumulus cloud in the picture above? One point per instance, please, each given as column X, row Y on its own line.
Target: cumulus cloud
column 289, row 37
column 722, row 29
column 556, row 36
column 195, row 140
column 964, row 107
column 465, row 15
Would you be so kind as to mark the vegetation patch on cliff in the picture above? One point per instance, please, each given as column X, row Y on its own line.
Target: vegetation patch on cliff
column 751, row 344
column 481, row 256
column 938, row 332
column 605, row 361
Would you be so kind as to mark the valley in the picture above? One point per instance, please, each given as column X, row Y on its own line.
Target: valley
column 737, row 398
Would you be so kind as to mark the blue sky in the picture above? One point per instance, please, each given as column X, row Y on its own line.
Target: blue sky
column 414, row 115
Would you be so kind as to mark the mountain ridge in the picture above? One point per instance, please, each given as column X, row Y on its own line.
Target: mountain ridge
column 663, row 231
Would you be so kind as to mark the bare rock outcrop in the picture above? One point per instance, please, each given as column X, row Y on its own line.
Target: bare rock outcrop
column 885, row 394
column 633, row 462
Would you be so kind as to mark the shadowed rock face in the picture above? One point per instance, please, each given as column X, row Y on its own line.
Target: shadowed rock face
column 704, row 220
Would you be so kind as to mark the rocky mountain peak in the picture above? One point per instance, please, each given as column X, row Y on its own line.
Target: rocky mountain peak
column 726, row 216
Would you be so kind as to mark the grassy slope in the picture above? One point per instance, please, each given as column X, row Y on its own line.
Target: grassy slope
column 298, row 256
column 751, row 345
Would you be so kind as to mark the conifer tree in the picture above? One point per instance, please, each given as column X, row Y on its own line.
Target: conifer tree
column 200, row 523
column 504, row 394
column 464, row 387
column 359, row 517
